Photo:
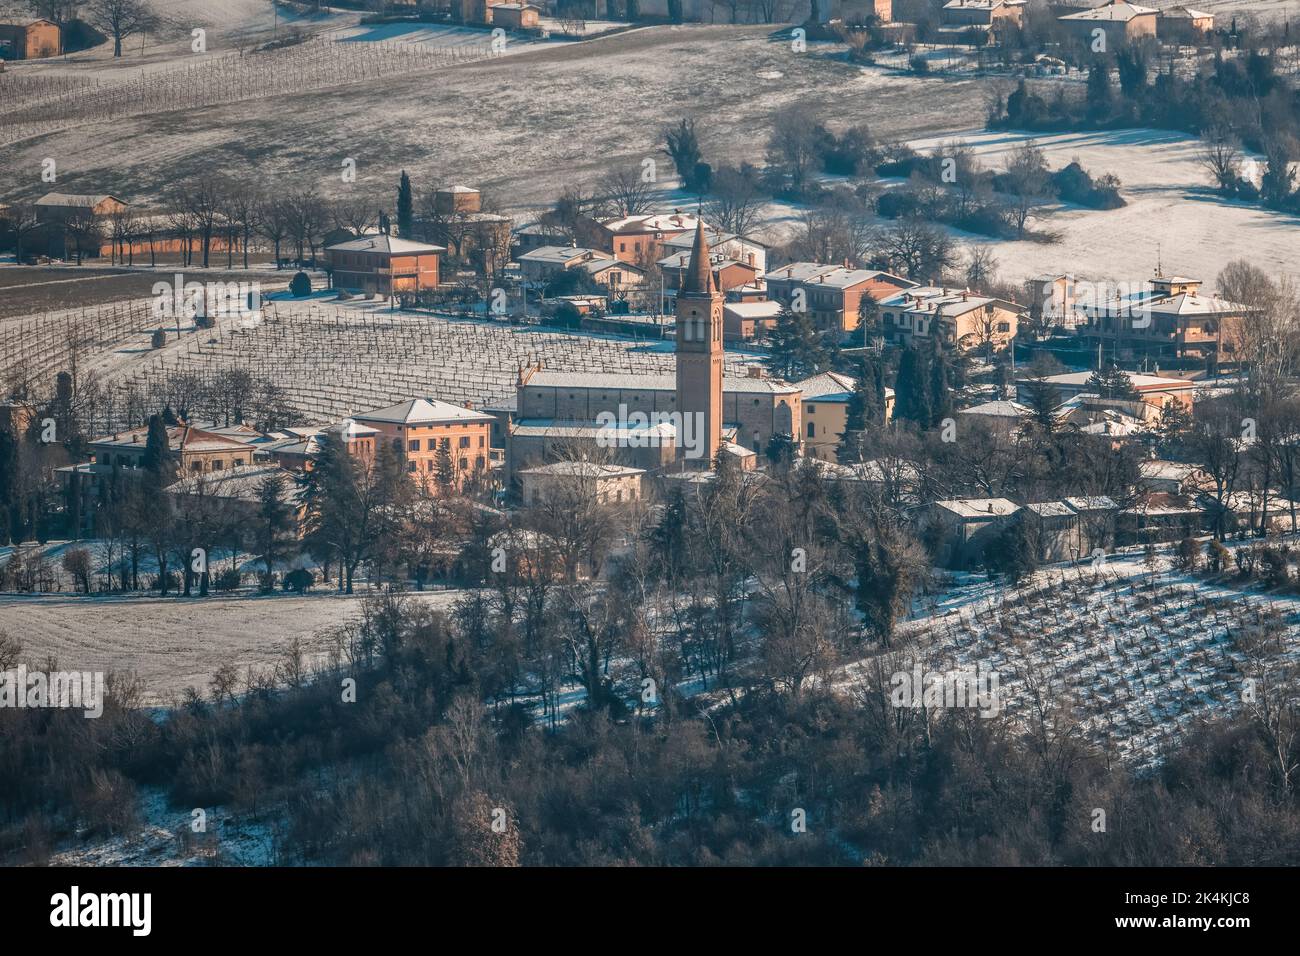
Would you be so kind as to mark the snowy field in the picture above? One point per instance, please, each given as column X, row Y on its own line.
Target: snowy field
column 174, row 643
column 1172, row 214
column 469, row 122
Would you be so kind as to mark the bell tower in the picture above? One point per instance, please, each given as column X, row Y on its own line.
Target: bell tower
column 699, row 358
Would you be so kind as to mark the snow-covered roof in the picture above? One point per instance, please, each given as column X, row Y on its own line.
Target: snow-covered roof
column 1116, row 11
column 998, row 409
column 658, row 222
column 243, row 483
column 583, row 469
column 563, row 255
column 1091, row 503
column 753, row 310
column 828, row 387
column 74, row 200
column 422, row 411
column 972, row 508
column 383, row 242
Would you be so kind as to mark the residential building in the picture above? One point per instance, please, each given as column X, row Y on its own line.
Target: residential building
column 832, row 295
column 515, row 16
column 746, row 321
column 383, row 264
column 1170, row 318
column 980, row 21
column 423, row 429
column 35, row 40
column 543, row 264
column 959, row 530
column 1153, row 390
column 1180, row 24
column 477, row 238
column 728, row 245
column 958, row 318
column 728, row 273
column 563, row 480
column 1118, row 21
column 826, row 400
column 640, row 239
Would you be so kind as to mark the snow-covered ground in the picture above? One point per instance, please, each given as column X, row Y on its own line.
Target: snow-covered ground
column 1172, row 216
column 1138, row 656
column 173, row 643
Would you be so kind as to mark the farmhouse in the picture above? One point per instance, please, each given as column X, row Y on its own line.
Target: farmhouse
column 32, row 41
column 980, row 20
column 383, row 264
column 239, row 489
column 1118, row 21
column 960, row 319
column 515, row 16
column 425, row 430
column 960, row 529
column 1181, row 24
column 831, row 294
column 750, row 252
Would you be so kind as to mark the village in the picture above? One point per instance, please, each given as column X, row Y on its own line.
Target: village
column 666, row 438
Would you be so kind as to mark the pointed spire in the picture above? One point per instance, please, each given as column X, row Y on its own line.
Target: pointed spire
column 699, row 276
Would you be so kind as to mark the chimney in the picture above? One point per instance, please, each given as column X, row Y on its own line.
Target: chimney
column 755, row 371
column 990, row 507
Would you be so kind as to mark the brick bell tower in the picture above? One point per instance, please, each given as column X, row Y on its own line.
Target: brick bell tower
column 699, row 358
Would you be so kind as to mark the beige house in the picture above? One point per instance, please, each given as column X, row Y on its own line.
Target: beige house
column 745, row 321
column 1117, row 21
column 961, row 319
column 1184, row 25
column 610, row 484
column 826, row 400
column 543, row 264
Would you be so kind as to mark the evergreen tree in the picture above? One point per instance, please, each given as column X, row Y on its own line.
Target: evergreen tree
column 405, row 208
column 443, row 467
column 796, row 348
column 158, row 462
column 1043, row 399
column 912, row 388
column 1113, row 382
column 1099, row 93
column 274, row 520
column 940, row 386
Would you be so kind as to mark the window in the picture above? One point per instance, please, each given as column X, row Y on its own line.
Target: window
column 235, row 463
column 464, row 464
column 480, row 441
column 811, row 409
column 218, row 464
column 812, row 430
column 410, row 466
column 196, row 466
column 413, row 444
column 478, row 462
column 464, row 441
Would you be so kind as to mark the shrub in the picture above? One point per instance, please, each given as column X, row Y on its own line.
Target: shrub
column 300, row 285
column 1188, row 554
column 227, row 580
column 158, row 339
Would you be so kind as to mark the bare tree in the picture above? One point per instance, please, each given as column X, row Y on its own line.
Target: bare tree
column 121, row 19
column 627, row 192
column 1220, row 155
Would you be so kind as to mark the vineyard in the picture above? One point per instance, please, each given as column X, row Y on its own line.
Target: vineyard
column 38, row 104
column 331, row 360
column 1139, row 660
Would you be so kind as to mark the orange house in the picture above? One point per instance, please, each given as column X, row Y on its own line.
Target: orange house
column 384, row 264
column 423, row 428
column 36, row 40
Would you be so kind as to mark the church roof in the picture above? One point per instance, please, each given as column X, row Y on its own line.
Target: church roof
column 699, row 275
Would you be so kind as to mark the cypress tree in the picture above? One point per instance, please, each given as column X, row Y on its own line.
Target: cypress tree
column 405, row 208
